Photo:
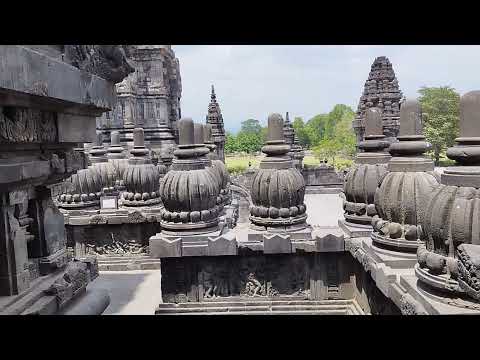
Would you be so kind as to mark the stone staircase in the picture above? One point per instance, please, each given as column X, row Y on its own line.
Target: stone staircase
column 262, row 306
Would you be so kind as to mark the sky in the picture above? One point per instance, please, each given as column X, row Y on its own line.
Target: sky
column 252, row 81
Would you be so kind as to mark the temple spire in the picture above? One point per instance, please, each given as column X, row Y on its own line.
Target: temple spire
column 213, row 97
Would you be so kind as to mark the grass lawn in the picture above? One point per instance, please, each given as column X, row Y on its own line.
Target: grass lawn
column 239, row 163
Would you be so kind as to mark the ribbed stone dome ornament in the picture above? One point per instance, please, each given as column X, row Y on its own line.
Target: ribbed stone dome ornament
column 218, row 166
column 450, row 260
column 190, row 193
column 190, row 189
column 402, row 197
column 278, row 188
column 85, row 188
column 363, row 179
column 141, row 177
column 99, row 163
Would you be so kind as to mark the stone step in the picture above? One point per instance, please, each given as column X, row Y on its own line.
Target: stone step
column 252, row 308
column 258, row 303
column 271, row 307
column 327, row 312
column 123, row 263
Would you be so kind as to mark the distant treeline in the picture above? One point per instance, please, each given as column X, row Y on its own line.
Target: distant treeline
column 331, row 136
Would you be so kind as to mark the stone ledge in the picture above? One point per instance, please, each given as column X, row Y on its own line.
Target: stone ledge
column 49, row 82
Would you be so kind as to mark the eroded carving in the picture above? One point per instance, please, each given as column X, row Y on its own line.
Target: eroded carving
column 109, row 62
column 27, row 125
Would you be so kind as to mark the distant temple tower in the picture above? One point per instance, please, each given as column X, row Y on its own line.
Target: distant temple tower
column 214, row 117
column 149, row 98
column 381, row 91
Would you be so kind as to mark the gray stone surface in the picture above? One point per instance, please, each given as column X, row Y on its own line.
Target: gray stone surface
column 148, row 98
column 47, row 106
column 131, row 292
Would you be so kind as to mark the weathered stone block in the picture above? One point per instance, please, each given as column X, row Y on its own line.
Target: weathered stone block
column 161, row 247
column 277, row 244
column 329, row 240
column 222, row 245
column 76, row 128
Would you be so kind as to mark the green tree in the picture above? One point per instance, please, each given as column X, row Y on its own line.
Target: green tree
column 249, row 142
column 301, row 132
column 440, row 107
column 315, row 128
column 328, row 149
column 251, row 126
column 231, row 144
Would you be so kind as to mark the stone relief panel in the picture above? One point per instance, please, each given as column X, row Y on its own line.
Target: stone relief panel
column 204, row 279
column 23, row 125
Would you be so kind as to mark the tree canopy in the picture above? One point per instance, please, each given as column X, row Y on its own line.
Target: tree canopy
column 440, row 107
column 330, row 134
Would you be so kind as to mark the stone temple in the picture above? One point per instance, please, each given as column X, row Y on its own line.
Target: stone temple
column 382, row 91
column 107, row 177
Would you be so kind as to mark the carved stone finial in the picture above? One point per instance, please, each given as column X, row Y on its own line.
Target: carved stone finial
column 141, row 177
column 275, row 128
column 466, row 151
column 98, row 151
column 185, row 131
column 198, row 138
column 115, row 150
column 408, row 151
column 364, row 177
column 277, row 176
column 374, row 141
column 213, row 96
column 401, row 198
column 373, row 123
column 190, row 189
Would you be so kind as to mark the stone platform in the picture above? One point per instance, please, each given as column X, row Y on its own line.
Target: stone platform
column 355, row 230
